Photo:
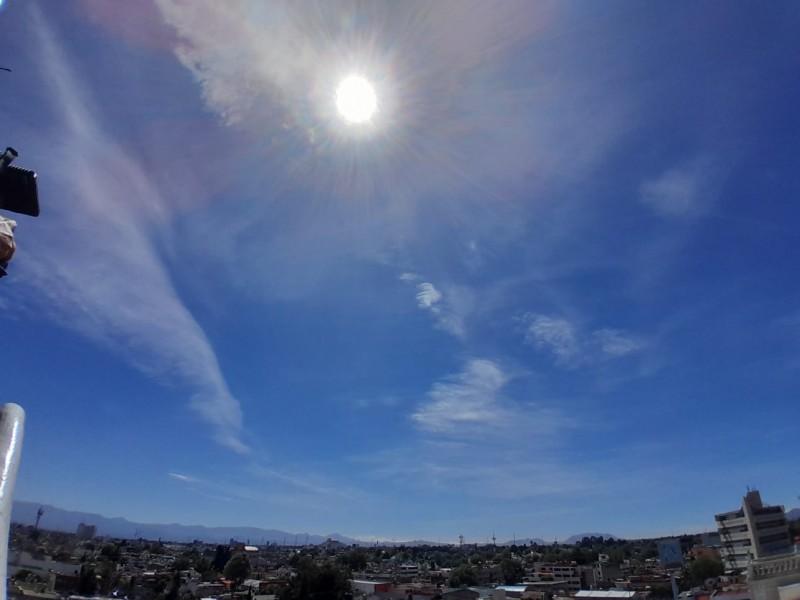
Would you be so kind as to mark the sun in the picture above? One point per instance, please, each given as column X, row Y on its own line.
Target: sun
column 355, row 99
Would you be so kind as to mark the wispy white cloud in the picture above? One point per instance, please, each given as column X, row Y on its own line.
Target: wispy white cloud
column 466, row 401
column 205, row 488
column 472, row 403
column 460, row 305
column 254, row 484
column 571, row 346
column 474, row 437
column 184, row 478
column 314, row 485
column 686, row 190
column 450, row 305
column 100, row 271
column 555, row 334
column 428, row 296
column 617, row 343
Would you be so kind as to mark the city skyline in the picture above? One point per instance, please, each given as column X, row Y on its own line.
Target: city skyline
column 59, row 519
column 549, row 286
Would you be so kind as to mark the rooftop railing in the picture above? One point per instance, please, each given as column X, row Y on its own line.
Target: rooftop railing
column 770, row 567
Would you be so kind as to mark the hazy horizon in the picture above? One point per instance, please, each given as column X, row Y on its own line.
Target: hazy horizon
column 31, row 519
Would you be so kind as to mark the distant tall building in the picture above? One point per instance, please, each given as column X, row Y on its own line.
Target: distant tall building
column 752, row 532
column 669, row 553
column 86, row 532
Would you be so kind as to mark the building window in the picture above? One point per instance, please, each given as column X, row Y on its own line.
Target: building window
column 771, row 524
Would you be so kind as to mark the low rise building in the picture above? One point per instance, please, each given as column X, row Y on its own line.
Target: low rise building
column 370, row 587
column 567, row 575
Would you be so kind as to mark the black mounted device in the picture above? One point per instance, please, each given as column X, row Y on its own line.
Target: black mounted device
column 18, row 191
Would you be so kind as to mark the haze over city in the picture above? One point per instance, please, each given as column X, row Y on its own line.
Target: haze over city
column 405, row 270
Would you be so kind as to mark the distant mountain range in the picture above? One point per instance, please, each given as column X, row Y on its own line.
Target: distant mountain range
column 793, row 515
column 67, row 520
column 59, row 519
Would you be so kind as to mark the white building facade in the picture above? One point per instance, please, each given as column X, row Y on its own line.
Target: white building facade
column 754, row 531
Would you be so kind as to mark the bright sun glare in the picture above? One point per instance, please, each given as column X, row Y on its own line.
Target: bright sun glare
column 355, row 99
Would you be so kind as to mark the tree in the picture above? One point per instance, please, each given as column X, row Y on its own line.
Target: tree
column 110, row 551
column 26, row 575
column 237, row 569
column 203, row 565
column 156, row 548
column 703, row 568
column 355, row 559
column 462, row 576
column 332, row 583
column 87, row 582
column 616, row 556
column 650, row 551
column 175, row 585
column 181, row 563
column 221, row 558
column 661, row 590
column 314, row 582
column 513, row 572
column 106, row 571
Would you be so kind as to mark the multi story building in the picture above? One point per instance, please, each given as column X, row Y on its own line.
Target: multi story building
column 86, row 532
column 754, row 531
column 605, row 573
column 567, row 574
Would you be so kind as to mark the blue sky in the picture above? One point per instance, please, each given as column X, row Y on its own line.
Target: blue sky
column 551, row 287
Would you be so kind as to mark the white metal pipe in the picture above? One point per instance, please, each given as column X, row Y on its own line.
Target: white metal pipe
column 12, row 422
